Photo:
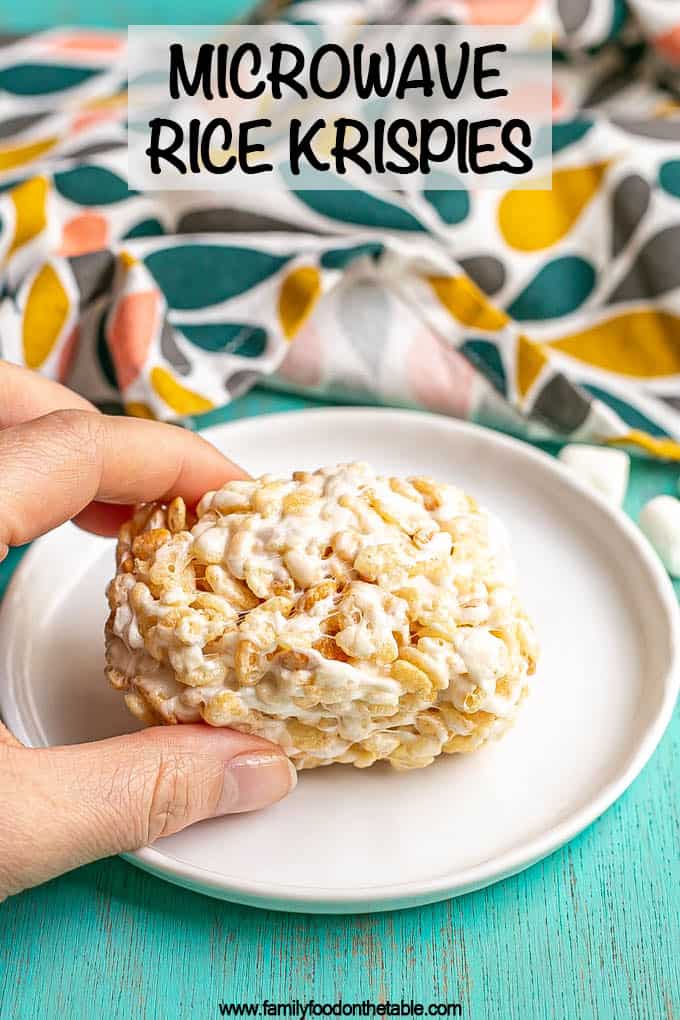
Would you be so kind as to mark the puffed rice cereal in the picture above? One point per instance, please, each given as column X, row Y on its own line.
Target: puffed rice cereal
column 346, row 616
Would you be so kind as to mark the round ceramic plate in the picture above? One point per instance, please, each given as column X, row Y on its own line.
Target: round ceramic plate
column 350, row 840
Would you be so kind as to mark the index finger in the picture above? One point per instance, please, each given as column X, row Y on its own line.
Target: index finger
column 24, row 395
column 53, row 467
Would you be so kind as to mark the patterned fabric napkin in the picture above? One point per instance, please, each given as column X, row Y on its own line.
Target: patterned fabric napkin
column 546, row 313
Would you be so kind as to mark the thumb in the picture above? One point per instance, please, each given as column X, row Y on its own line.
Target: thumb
column 71, row 805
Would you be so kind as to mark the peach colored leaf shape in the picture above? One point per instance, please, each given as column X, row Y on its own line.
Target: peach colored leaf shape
column 441, row 379
column 88, row 118
column 94, row 42
column 88, row 232
column 130, row 332
column 668, row 44
column 302, row 364
column 499, row 12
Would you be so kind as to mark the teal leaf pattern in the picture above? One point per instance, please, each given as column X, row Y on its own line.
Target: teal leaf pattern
column 92, row 185
column 486, row 357
column 228, row 337
column 632, row 416
column 360, row 208
column 340, row 258
column 42, row 79
column 559, row 288
column 452, row 206
column 146, row 228
column 669, row 177
column 196, row 275
column 568, row 133
column 363, row 263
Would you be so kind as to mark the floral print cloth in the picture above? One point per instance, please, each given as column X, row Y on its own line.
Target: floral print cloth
column 545, row 312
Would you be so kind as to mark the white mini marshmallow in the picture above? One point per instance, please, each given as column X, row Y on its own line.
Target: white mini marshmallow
column 604, row 469
column 660, row 521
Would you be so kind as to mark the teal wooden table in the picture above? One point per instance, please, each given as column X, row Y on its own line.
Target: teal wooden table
column 591, row 932
column 33, row 14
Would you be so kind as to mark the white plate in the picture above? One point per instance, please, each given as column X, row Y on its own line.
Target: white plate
column 351, row 840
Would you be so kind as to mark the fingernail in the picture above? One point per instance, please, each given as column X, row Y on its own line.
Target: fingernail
column 254, row 780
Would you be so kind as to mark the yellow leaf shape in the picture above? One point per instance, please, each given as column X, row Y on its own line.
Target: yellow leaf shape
column 104, row 102
column 30, row 211
column 299, row 293
column 127, row 259
column 45, row 313
column 531, row 220
column 17, row 155
column 176, row 396
column 644, row 344
column 530, row 360
column 467, row 303
column 137, row 409
column 666, row 449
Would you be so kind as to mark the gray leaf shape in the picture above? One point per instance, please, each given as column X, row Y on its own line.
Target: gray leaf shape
column 656, row 268
column 224, row 220
column 240, row 382
column 561, row 404
column 667, row 130
column 486, row 271
column 573, row 13
column 629, row 204
column 607, row 87
column 363, row 315
column 93, row 148
column 171, row 351
column 110, row 407
column 348, row 384
column 13, row 125
column 9, row 38
column 93, row 274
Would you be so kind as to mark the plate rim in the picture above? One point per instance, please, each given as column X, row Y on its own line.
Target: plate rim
column 396, row 895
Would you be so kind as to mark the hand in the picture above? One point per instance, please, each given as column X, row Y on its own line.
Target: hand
column 64, row 806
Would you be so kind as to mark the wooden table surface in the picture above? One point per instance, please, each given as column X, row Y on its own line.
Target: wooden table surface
column 30, row 15
column 591, row 932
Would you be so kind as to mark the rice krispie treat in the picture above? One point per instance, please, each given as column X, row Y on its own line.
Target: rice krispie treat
column 345, row 616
